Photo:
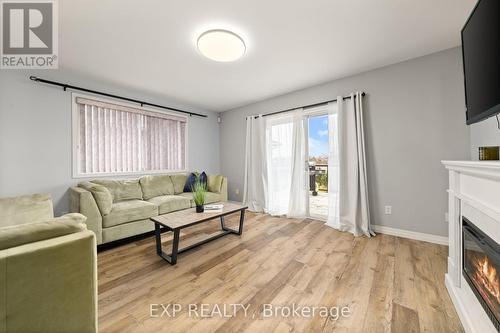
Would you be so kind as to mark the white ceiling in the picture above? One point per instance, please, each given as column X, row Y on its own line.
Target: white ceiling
column 150, row 45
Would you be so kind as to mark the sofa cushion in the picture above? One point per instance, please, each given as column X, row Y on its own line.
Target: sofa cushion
column 122, row 190
column 209, row 198
column 128, row 211
column 212, row 197
column 214, row 183
column 179, row 180
column 101, row 194
column 25, row 209
column 170, row 203
column 17, row 235
column 126, row 230
column 155, row 186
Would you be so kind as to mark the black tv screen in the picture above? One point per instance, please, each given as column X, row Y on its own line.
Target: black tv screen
column 481, row 57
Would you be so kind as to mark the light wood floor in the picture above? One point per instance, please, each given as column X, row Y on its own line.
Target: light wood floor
column 390, row 284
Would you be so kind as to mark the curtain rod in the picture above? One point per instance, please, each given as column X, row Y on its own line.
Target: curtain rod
column 142, row 103
column 307, row 106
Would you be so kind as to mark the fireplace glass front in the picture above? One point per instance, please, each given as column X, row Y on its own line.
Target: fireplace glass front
column 481, row 269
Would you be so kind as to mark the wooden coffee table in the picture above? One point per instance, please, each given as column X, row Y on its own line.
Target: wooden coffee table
column 176, row 221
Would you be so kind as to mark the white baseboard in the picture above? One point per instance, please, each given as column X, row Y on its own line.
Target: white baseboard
column 410, row 234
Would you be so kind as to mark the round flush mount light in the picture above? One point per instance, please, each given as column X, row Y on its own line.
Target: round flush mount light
column 221, row 45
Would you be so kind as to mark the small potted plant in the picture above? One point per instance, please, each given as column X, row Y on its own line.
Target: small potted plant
column 199, row 193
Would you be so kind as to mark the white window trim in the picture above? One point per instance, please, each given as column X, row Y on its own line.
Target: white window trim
column 75, row 114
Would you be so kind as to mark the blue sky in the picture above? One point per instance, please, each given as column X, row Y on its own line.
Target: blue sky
column 318, row 136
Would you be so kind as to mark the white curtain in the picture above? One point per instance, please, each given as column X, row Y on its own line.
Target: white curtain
column 279, row 141
column 255, row 190
column 276, row 174
column 299, row 187
column 333, row 167
column 350, row 212
column 276, row 179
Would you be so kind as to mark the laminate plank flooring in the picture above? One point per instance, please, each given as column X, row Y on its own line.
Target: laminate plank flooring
column 385, row 283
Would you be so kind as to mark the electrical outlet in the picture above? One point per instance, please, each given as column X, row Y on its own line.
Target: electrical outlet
column 388, row 210
column 446, row 217
column 237, row 191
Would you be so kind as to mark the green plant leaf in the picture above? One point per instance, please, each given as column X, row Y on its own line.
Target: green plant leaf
column 199, row 192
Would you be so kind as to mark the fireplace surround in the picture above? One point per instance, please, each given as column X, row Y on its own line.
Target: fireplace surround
column 481, row 268
column 473, row 210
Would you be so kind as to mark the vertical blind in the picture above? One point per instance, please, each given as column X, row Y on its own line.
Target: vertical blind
column 118, row 139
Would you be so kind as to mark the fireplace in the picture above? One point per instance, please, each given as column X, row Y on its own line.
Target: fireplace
column 481, row 269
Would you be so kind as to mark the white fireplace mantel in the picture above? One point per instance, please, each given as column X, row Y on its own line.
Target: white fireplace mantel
column 474, row 192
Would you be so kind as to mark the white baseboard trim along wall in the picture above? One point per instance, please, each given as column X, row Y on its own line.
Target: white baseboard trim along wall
column 410, row 234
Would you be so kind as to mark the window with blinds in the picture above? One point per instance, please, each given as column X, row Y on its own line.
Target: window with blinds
column 117, row 139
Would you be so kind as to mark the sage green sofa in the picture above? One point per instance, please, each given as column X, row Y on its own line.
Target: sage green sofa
column 48, row 268
column 118, row 209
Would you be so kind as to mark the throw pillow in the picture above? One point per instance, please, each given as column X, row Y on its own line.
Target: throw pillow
column 122, row 190
column 214, row 183
column 192, row 178
column 204, row 179
column 101, row 194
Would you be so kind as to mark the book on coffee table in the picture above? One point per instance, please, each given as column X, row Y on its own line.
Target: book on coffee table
column 214, row 208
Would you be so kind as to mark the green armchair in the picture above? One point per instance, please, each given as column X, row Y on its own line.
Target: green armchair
column 48, row 268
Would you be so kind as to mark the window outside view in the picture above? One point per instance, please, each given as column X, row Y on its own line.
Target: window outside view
column 318, row 166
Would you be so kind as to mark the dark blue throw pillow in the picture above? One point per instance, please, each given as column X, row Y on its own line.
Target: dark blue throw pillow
column 191, row 179
column 204, row 179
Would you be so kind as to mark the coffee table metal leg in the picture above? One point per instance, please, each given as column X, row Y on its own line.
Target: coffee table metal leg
column 175, row 247
column 158, row 238
column 242, row 218
column 223, row 227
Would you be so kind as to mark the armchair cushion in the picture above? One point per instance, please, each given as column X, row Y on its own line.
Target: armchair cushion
column 101, row 194
column 17, row 235
column 25, row 209
column 122, row 190
column 128, row 211
column 155, row 186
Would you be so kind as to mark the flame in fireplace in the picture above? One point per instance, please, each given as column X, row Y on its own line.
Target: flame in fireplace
column 487, row 278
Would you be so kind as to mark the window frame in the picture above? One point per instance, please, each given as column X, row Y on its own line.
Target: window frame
column 75, row 142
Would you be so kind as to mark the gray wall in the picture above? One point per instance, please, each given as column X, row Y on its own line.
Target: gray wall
column 484, row 133
column 414, row 119
column 35, row 134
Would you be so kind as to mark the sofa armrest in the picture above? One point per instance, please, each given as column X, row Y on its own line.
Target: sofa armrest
column 54, row 281
column 83, row 202
column 223, row 189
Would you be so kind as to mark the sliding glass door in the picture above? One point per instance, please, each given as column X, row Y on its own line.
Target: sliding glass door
column 297, row 149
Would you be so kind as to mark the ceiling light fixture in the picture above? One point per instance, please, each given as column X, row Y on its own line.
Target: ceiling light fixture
column 221, row 45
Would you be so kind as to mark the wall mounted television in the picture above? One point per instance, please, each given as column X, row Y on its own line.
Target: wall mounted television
column 481, row 61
